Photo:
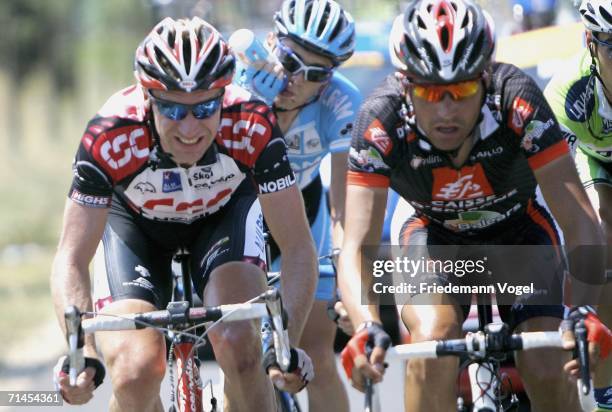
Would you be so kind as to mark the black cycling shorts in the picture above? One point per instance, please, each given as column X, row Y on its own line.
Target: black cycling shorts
column 135, row 262
column 545, row 270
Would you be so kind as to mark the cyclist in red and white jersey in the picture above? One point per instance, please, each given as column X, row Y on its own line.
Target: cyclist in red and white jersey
column 182, row 159
column 465, row 141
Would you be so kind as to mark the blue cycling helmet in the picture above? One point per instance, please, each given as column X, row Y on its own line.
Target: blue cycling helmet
column 318, row 25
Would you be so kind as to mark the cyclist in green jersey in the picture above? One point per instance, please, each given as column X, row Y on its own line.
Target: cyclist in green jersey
column 581, row 97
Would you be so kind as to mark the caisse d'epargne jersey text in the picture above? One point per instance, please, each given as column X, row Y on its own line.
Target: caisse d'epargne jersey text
column 119, row 155
column 516, row 134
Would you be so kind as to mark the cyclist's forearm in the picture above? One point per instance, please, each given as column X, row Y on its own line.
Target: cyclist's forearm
column 70, row 285
column 299, row 281
column 351, row 283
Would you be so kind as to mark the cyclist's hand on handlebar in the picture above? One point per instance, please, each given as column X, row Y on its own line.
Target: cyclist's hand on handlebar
column 87, row 381
column 356, row 364
column 301, row 371
column 598, row 336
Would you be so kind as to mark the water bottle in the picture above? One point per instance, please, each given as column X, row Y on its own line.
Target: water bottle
column 248, row 49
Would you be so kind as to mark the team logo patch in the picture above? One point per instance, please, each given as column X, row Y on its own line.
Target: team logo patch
column 376, row 134
column 171, row 182
column 470, row 182
column 520, row 112
column 145, row 187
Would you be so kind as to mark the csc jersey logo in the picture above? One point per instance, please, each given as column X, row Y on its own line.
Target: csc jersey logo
column 245, row 135
column 122, row 151
column 119, row 153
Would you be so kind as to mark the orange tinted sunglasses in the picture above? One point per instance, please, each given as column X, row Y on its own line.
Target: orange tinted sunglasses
column 433, row 93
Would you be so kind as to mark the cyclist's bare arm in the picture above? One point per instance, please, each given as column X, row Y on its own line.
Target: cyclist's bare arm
column 572, row 209
column 363, row 226
column 286, row 219
column 70, row 284
column 337, row 196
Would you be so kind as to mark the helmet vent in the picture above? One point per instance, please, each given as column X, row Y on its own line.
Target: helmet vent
column 211, row 60
column 454, row 5
column 186, row 51
column 604, row 13
column 421, row 23
column 444, row 36
column 590, row 19
column 458, row 53
column 466, row 20
column 165, row 64
column 432, row 53
column 171, row 38
column 307, row 14
column 411, row 47
column 339, row 27
column 324, row 19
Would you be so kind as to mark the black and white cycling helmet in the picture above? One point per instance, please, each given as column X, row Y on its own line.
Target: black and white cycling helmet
column 442, row 41
column 183, row 55
column 322, row 26
column 597, row 15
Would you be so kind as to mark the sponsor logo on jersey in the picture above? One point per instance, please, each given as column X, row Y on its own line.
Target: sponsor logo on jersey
column 246, row 129
column 202, row 173
column 468, row 183
column 579, row 102
column 194, row 207
column 519, row 113
column 145, row 187
column 483, row 154
column 340, row 104
column 607, row 126
column 368, row 159
column 144, row 272
column 211, row 183
column 215, row 251
column 278, row 184
column 171, row 182
column 293, row 141
column 534, row 131
column 123, row 144
column 478, row 219
column 346, row 129
column 418, row 161
column 90, row 200
column 376, row 134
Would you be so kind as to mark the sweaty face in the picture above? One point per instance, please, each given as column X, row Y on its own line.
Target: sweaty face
column 447, row 123
column 186, row 139
column 299, row 90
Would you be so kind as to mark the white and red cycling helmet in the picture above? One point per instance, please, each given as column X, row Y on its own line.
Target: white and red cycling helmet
column 183, row 55
column 442, row 41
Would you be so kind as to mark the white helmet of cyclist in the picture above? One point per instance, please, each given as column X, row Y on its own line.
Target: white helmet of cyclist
column 442, row 41
column 183, row 55
column 597, row 15
column 322, row 26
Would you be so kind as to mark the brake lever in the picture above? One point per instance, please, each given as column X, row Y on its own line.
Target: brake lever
column 75, row 339
column 279, row 332
column 582, row 349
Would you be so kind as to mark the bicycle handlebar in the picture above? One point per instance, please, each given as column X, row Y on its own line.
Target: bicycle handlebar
column 496, row 341
column 178, row 314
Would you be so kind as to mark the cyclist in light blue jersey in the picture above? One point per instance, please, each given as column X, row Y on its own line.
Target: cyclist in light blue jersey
column 316, row 108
